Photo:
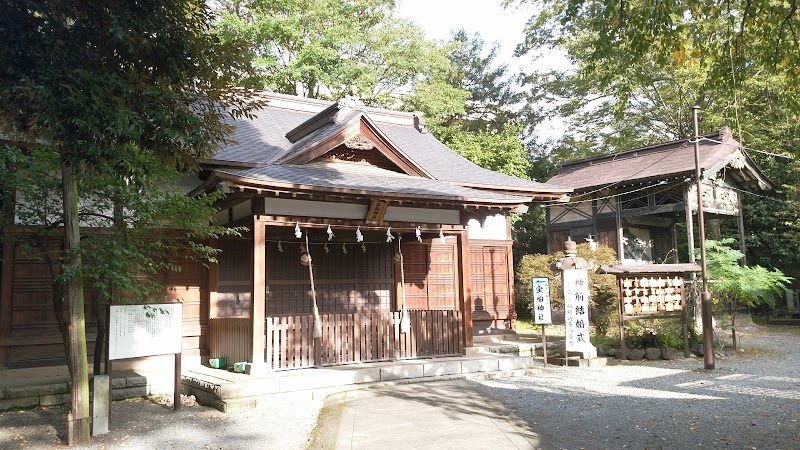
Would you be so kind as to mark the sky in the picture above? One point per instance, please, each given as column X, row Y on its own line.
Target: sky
column 440, row 18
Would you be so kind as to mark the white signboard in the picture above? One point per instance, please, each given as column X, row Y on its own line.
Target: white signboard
column 541, row 301
column 144, row 330
column 576, row 309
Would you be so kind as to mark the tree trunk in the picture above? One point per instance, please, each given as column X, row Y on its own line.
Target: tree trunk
column 78, row 421
column 714, row 229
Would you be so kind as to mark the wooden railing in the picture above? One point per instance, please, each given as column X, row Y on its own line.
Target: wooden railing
column 345, row 338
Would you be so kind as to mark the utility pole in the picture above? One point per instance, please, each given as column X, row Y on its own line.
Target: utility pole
column 705, row 296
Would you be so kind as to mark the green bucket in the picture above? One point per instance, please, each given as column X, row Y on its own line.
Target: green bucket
column 239, row 367
column 216, row 363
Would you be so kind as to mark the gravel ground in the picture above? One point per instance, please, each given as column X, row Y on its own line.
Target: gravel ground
column 751, row 399
column 145, row 424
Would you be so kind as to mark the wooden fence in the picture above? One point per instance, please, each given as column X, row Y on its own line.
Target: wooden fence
column 345, row 338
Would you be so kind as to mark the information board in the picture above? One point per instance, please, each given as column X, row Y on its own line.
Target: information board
column 144, row 330
column 576, row 308
column 541, row 301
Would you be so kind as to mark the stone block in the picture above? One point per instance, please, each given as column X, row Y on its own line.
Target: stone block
column 402, row 372
column 53, row 399
column 480, row 365
column 367, row 375
column 437, row 369
column 652, row 353
column 515, row 363
column 18, row 403
column 101, row 404
column 128, row 392
column 36, row 391
column 136, row 380
column 118, row 383
column 635, row 354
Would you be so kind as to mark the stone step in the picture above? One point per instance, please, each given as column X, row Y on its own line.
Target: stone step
column 228, row 391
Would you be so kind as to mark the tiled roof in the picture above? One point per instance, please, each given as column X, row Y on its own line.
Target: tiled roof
column 263, row 142
column 657, row 162
column 362, row 179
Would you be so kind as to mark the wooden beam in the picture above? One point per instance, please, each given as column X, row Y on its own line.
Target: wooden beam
column 258, row 278
column 651, row 210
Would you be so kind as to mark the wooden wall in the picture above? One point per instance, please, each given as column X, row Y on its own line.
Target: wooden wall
column 492, row 275
column 29, row 335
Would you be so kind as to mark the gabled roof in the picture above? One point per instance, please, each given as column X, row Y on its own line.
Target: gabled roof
column 668, row 160
column 285, row 141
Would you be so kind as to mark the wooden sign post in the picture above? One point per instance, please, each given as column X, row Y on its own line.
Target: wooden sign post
column 136, row 331
column 541, row 308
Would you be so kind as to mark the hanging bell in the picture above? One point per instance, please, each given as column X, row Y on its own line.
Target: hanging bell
column 305, row 259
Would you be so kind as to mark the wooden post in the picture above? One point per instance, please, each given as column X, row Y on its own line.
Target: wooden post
column 689, row 227
column 621, row 314
column 466, row 287
column 177, row 392
column 740, row 227
column 258, row 288
column 544, row 343
column 620, row 234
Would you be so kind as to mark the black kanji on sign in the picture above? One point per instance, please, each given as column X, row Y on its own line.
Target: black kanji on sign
column 581, row 337
column 580, row 324
column 580, row 310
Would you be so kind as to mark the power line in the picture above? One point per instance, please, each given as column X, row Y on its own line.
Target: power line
column 750, row 149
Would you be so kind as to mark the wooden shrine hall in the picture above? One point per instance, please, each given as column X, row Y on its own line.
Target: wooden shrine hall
column 632, row 201
column 368, row 240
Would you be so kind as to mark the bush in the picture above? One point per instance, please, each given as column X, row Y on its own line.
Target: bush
column 603, row 292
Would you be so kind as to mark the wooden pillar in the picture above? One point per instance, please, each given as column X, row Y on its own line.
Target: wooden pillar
column 258, row 305
column 674, row 232
column 620, row 243
column 740, row 227
column 5, row 295
column 466, row 287
column 547, row 230
column 594, row 217
column 689, row 227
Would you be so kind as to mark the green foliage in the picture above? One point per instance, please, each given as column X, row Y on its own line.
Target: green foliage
column 603, row 287
column 639, row 67
column 660, row 333
column 126, row 250
column 323, row 48
column 734, row 285
column 498, row 151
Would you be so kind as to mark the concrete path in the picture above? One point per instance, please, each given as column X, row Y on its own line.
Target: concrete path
column 430, row 415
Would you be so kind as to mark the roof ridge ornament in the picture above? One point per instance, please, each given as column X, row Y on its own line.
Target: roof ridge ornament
column 351, row 101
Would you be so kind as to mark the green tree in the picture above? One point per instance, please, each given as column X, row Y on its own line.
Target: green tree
column 324, row 48
column 98, row 83
column 734, row 285
column 639, row 67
